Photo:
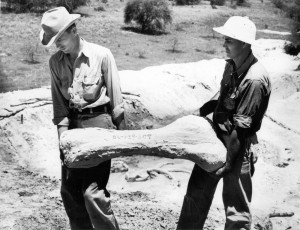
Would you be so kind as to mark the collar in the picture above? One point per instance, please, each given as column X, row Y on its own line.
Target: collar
column 245, row 64
column 61, row 55
column 86, row 50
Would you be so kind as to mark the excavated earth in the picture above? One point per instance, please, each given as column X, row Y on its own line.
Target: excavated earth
column 30, row 165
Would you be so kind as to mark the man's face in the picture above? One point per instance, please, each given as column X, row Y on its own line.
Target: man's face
column 66, row 42
column 233, row 47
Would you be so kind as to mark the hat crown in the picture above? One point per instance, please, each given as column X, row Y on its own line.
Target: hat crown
column 54, row 20
column 241, row 28
column 54, row 23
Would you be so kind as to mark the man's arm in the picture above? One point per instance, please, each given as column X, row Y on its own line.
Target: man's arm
column 122, row 125
column 112, row 81
column 233, row 145
column 61, row 129
column 249, row 108
column 209, row 106
column 60, row 104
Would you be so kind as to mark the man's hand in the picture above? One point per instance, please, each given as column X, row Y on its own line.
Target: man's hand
column 222, row 171
column 122, row 125
column 233, row 145
column 208, row 108
column 61, row 129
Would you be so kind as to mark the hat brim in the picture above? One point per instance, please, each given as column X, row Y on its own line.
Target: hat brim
column 54, row 38
column 228, row 33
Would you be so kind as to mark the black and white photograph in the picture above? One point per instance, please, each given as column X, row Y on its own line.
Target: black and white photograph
column 150, row 115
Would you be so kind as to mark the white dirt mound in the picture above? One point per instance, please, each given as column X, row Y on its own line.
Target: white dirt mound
column 155, row 97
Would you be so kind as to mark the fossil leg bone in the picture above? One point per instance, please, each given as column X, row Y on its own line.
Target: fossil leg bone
column 190, row 137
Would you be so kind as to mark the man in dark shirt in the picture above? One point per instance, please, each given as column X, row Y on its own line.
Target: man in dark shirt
column 238, row 110
column 86, row 92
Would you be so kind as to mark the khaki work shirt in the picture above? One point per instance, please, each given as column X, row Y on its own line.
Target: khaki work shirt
column 92, row 81
column 243, row 106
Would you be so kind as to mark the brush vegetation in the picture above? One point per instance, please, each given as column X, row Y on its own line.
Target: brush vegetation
column 291, row 7
column 22, row 6
column 151, row 15
column 189, row 38
column 292, row 10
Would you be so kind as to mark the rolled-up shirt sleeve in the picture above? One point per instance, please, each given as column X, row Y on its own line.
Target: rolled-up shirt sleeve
column 249, row 108
column 60, row 104
column 112, row 80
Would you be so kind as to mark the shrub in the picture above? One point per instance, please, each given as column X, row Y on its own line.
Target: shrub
column 218, row 2
column 243, row 3
column 71, row 4
column 99, row 8
column 142, row 54
column 291, row 49
column 30, row 50
column 174, row 45
column 179, row 27
column 22, row 6
column 151, row 15
column 187, row 2
column 240, row 2
column 174, row 42
column 278, row 3
column 291, row 7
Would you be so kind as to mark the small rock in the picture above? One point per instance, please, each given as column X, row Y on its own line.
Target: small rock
column 162, row 225
column 282, row 165
column 131, row 214
column 25, row 193
column 5, row 54
column 119, row 166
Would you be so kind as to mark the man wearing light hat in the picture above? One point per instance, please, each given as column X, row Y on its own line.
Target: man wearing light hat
column 86, row 92
column 238, row 110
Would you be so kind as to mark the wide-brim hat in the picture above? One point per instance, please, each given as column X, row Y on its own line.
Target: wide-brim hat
column 54, row 23
column 239, row 28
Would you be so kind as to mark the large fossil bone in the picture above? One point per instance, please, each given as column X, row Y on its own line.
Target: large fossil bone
column 191, row 138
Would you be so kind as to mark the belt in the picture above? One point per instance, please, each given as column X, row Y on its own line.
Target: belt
column 98, row 109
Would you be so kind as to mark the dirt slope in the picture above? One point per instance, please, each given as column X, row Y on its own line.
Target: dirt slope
column 30, row 166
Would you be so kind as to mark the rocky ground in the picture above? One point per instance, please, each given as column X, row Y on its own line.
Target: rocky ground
column 30, row 166
column 30, row 199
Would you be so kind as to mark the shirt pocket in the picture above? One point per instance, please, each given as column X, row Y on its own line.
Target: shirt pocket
column 91, row 78
column 229, row 103
column 91, row 86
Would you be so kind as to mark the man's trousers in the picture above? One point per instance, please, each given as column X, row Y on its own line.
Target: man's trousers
column 237, row 192
column 83, row 191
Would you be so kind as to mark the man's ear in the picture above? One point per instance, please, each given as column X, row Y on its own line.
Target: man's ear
column 245, row 45
column 74, row 30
